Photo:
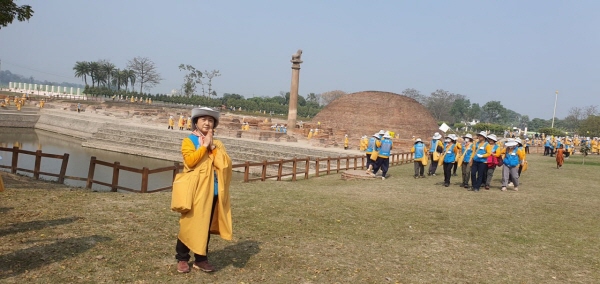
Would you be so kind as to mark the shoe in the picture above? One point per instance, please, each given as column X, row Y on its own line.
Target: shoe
column 422, row 176
column 416, row 177
column 183, row 266
column 487, row 187
column 466, row 185
column 476, row 190
column 453, row 175
column 510, row 184
column 503, row 188
column 433, row 174
column 516, row 189
column 446, row 184
column 428, row 174
column 382, row 178
column 204, row 266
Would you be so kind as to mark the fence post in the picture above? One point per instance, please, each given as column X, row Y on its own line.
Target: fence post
column 38, row 162
column 362, row 162
column 347, row 162
column 115, row 177
column 294, row 164
column 307, row 168
column 145, row 180
column 15, row 160
column 328, row 165
column 91, row 170
column 355, row 162
column 246, row 171
column 317, row 167
column 338, row 164
column 63, row 168
column 263, row 176
column 280, row 170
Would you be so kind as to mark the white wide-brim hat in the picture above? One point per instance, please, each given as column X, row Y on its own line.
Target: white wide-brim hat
column 482, row 133
column 452, row 136
column 511, row 144
column 418, row 140
column 387, row 135
column 437, row 135
column 468, row 135
column 376, row 135
column 381, row 132
column 204, row 111
column 518, row 140
column 493, row 137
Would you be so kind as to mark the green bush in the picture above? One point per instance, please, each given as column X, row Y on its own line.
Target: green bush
column 552, row 131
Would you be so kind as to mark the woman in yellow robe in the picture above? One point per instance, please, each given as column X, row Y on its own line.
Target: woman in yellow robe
column 211, row 211
column 171, row 122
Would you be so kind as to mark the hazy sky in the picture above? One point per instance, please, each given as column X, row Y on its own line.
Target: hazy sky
column 517, row 52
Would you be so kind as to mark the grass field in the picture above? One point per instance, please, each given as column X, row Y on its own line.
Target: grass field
column 322, row 230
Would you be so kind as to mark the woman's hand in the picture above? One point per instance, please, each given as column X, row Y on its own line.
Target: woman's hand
column 207, row 141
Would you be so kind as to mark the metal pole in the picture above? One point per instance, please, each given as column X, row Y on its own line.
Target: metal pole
column 553, row 115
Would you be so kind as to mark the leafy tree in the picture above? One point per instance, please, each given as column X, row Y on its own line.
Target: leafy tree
column 210, row 75
column 95, row 72
column 9, row 10
column 439, row 104
column 493, row 112
column 312, row 98
column 460, row 109
column 190, row 80
column 414, row 94
column 474, row 112
column 330, row 96
column 524, row 121
column 145, row 72
column 106, row 70
column 590, row 126
column 538, row 123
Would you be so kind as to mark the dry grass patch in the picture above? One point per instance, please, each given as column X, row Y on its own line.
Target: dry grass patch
column 323, row 230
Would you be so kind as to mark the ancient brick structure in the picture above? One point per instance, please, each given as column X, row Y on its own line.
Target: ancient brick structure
column 365, row 113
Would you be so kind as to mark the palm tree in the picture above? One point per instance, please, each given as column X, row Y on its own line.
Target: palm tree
column 94, row 72
column 119, row 78
column 107, row 69
column 131, row 78
column 82, row 69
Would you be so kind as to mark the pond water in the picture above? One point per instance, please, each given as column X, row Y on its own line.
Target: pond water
column 79, row 159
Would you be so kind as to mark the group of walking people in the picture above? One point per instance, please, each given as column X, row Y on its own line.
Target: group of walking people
column 378, row 151
column 477, row 158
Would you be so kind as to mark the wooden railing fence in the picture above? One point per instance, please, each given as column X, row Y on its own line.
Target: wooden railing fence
column 294, row 168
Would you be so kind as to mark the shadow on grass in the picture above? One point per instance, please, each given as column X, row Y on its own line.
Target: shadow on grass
column 236, row 255
column 5, row 209
column 34, row 225
column 23, row 260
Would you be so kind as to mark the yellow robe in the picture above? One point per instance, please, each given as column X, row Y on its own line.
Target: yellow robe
column 171, row 122
column 181, row 122
column 194, row 224
column 189, row 124
column 346, row 142
column 594, row 146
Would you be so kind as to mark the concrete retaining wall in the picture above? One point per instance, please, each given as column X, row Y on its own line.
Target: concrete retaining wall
column 67, row 125
column 18, row 120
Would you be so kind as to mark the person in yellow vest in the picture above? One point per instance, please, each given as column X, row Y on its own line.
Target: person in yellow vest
column 181, row 122
column 452, row 150
column 373, row 146
column 346, row 142
column 16, row 99
column 149, row 101
column 310, row 134
column 189, row 123
column 42, row 103
column 316, row 131
column 131, row 99
column 18, row 103
column 595, row 145
column 420, row 155
column 383, row 158
column 171, row 122
column 7, row 100
column 2, row 103
column 210, row 212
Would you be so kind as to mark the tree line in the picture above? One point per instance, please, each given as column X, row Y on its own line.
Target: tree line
column 104, row 74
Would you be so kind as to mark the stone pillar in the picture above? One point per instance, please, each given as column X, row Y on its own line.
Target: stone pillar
column 52, row 89
column 78, row 91
column 30, row 87
column 71, row 90
column 46, row 88
column 10, row 85
column 35, row 87
column 293, row 103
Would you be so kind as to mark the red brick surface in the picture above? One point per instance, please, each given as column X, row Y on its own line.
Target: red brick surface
column 365, row 113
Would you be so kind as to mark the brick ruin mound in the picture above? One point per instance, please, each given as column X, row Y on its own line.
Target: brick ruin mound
column 365, row 113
